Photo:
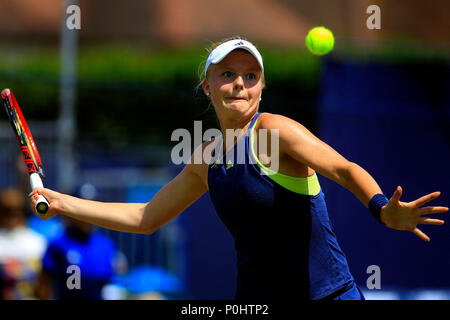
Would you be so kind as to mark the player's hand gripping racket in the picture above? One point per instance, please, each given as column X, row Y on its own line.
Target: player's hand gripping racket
column 27, row 146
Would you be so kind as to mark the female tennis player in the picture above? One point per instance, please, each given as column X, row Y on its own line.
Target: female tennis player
column 278, row 218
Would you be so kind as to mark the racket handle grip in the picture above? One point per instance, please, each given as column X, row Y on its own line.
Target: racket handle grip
column 42, row 203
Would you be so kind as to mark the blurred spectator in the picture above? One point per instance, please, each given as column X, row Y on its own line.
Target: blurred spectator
column 84, row 246
column 21, row 248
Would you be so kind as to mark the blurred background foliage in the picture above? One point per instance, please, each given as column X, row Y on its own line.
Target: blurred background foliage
column 141, row 95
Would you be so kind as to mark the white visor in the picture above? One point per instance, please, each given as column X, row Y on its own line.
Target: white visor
column 219, row 53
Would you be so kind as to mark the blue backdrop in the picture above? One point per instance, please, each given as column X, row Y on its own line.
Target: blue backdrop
column 393, row 120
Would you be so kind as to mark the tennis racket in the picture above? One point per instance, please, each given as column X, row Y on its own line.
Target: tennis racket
column 27, row 146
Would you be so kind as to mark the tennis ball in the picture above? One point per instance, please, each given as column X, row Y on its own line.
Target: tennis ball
column 319, row 40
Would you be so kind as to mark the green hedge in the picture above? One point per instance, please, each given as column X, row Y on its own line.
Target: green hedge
column 138, row 95
column 141, row 95
column 111, row 63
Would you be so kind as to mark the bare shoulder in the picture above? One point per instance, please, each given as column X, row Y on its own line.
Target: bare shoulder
column 288, row 128
column 292, row 137
column 275, row 121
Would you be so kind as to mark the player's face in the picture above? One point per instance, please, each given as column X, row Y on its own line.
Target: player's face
column 235, row 83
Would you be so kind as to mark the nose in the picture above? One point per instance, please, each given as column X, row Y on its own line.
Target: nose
column 239, row 83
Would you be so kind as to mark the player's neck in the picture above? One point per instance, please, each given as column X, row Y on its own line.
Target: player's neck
column 238, row 125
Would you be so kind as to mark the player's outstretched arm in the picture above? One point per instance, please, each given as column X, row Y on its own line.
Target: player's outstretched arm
column 300, row 144
column 303, row 146
column 168, row 202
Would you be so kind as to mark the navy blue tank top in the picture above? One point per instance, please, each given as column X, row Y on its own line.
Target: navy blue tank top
column 283, row 239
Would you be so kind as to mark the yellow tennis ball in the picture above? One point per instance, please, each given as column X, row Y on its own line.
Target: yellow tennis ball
column 319, row 40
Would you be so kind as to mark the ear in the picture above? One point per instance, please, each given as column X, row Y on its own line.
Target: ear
column 206, row 87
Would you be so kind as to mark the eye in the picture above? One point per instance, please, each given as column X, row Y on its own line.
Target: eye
column 251, row 76
column 227, row 74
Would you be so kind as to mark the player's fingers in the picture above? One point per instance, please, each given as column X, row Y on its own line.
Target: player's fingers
column 421, row 235
column 36, row 191
column 422, row 200
column 397, row 194
column 436, row 222
column 46, row 193
column 431, row 210
column 33, row 199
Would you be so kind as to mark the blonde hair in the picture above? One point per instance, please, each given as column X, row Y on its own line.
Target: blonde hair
column 201, row 68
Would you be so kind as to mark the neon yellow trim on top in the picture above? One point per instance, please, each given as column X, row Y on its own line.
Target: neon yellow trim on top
column 303, row 185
